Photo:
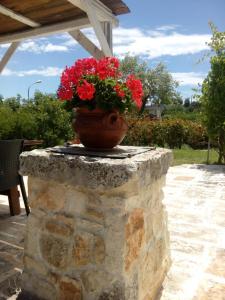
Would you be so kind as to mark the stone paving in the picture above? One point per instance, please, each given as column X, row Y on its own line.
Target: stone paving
column 11, row 250
column 195, row 201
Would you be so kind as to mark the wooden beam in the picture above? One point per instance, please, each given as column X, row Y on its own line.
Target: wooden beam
column 102, row 11
column 107, row 29
column 12, row 48
column 86, row 43
column 10, row 13
column 97, row 27
column 45, row 30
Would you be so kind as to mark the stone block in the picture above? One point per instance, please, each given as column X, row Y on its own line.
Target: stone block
column 134, row 236
column 82, row 249
column 99, row 250
column 60, row 225
column 69, row 289
column 46, row 195
column 54, row 250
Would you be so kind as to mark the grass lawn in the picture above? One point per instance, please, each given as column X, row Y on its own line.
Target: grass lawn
column 189, row 156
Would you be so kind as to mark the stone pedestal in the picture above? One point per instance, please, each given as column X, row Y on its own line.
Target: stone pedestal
column 98, row 228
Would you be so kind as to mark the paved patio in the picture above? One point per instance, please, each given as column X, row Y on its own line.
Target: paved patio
column 195, row 201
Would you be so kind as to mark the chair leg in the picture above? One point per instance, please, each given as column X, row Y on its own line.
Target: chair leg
column 10, row 203
column 25, row 200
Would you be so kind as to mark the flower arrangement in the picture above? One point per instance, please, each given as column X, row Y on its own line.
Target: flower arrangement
column 92, row 83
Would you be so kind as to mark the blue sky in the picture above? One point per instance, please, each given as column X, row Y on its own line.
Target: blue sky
column 174, row 32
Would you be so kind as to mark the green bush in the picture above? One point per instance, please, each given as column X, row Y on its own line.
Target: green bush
column 171, row 133
column 197, row 136
column 42, row 118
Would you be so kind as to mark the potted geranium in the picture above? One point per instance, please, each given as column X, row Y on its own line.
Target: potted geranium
column 101, row 95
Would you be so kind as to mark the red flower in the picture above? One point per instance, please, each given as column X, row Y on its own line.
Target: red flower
column 135, row 86
column 86, row 90
column 65, row 94
column 119, row 91
column 91, row 79
column 86, row 66
column 107, row 67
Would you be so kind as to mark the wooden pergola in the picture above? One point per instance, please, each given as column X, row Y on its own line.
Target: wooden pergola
column 25, row 19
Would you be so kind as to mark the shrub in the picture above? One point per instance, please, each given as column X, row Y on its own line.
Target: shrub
column 197, row 136
column 172, row 133
column 43, row 118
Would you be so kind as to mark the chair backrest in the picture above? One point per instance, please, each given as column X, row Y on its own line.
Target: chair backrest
column 9, row 163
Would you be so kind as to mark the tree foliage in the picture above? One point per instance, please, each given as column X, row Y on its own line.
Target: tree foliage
column 213, row 92
column 43, row 117
column 158, row 84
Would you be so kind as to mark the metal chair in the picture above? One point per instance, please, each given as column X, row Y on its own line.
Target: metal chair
column 9, row 166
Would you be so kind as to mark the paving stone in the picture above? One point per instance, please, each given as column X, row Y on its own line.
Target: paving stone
column 195, row 201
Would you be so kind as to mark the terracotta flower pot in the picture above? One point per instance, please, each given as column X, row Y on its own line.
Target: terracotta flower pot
column 98, row 129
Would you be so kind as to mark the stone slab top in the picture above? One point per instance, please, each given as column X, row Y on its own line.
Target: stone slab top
column 95, row 172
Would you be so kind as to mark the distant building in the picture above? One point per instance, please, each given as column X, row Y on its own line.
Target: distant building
column 155, row 111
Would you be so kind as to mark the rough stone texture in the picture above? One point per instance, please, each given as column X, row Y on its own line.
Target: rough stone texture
column 95, row 172
column 98, row 228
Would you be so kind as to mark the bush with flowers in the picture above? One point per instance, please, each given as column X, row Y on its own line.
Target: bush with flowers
column 92, row 83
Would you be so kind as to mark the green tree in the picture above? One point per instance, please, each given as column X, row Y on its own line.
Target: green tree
column 158, row 84
column 54, row 122
column 7, row 122
column 213, row 92
column 43, row 117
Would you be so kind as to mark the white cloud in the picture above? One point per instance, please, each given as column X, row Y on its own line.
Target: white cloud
column 167, row 27
column 152, row 44
column 4, row 45
column 148, row 43
column 189, row 78
column 46, row 72
column 39, row 47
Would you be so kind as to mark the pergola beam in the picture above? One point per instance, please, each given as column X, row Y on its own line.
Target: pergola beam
column 46, row 30
column 10, row 13
column 103, row 12
column 91, row 13
column 12, row 48
column 107, row 29
column 81, row 38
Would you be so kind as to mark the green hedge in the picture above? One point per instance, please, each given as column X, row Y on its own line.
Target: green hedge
column 43, row 118
column 170, row 133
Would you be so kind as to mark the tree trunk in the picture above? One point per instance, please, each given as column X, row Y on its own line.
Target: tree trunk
column 221, row 145
column 144, row 102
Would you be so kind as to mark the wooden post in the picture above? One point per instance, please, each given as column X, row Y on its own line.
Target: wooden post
column 107, row 29
column 92, row 16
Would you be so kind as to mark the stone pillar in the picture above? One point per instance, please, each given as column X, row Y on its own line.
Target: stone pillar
column 98, row 228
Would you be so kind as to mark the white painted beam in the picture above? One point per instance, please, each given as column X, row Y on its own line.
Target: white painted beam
column 82, row 39
column 46, row 30
column 97, row 27
column 107, row 29
column 102, row 11
column 10, row 13
column 12, row 48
